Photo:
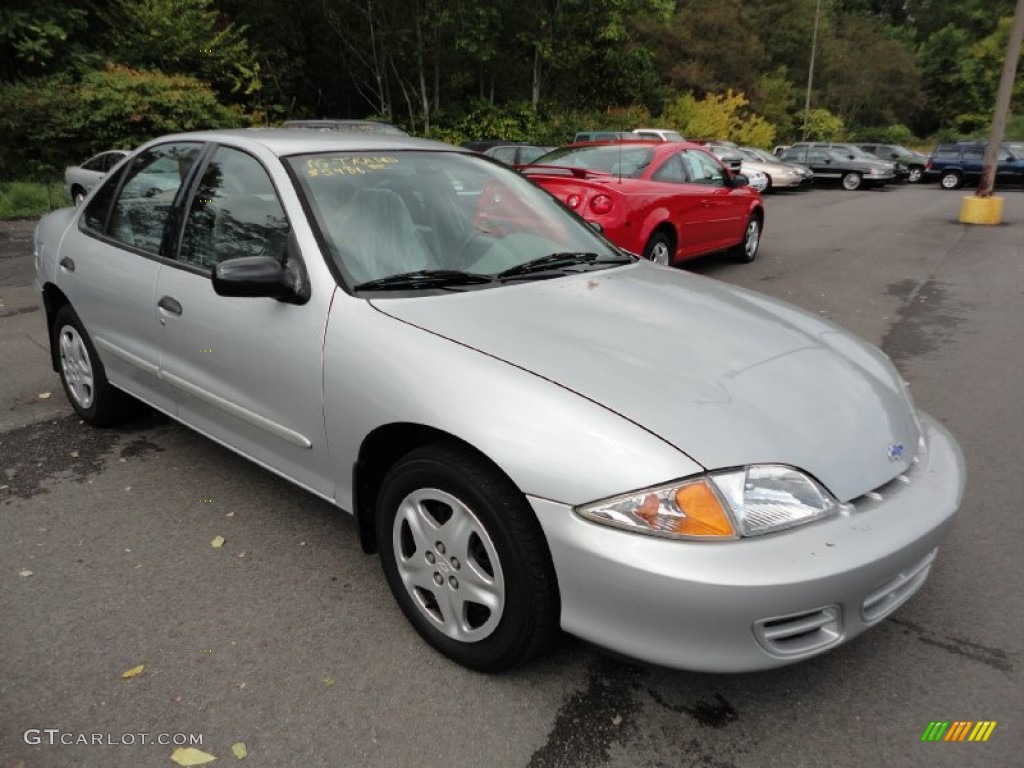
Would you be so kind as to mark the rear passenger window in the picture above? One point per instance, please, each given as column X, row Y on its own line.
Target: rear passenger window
column 235, row 212
column 138, row 215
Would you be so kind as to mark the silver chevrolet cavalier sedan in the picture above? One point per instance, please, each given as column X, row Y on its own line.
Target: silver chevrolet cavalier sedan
column 534, row 429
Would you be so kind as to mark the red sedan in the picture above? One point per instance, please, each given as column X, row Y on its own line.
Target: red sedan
column 670, row 201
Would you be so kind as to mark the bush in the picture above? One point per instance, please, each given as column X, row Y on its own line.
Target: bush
column 48, row 123
column 27, row 199
column 719, row 116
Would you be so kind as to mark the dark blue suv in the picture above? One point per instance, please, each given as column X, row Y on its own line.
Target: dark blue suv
column 953, row 165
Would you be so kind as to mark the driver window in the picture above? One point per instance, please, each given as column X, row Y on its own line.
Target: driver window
column 703, row 169
column 234, row 212
column 144, row 203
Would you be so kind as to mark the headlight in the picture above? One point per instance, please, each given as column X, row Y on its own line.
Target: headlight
column 750, row 501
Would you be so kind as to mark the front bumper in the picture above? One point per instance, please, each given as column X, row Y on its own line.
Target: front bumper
column 755, row 603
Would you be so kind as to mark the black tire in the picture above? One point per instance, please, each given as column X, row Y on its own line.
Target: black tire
column 432, row 486
column 851, row 181
column 768, row 186
column 93, row 398
column 915, row 174
column 660, row 249
column 747, row 250
column 78, row 195
column 951, row 180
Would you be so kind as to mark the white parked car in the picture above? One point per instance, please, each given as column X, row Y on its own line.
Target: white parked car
column 79, row 179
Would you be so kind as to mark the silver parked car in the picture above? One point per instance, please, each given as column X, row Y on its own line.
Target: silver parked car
column 79, row 179
column 534, row 429
column 780, row 175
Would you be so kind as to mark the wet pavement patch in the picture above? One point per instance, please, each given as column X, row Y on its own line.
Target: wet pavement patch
column 589, row 721
column 926, row 320
column 715, row 713
column 35, row 453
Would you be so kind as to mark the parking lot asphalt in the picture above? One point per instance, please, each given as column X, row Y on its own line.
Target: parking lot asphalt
column 287, row 639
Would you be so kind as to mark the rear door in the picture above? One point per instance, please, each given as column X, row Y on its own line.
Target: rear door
column 110, row 276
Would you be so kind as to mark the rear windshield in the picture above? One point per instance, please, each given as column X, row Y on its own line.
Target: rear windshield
column 610, row 158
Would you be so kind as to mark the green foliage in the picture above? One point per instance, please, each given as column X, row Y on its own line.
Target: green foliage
column 719, row 116
column 28, row 199
column 774, row 98
column 187, row 37
column 35, row 35
column 822, row 125
column 48, row 123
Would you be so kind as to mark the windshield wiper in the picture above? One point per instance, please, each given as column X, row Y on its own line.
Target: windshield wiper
column 424, row 278
column 555, row 261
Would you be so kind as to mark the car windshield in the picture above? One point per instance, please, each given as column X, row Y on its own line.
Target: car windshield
column 610, row 158
column 438, row 217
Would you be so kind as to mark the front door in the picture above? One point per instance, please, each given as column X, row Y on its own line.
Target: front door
column 247, row 371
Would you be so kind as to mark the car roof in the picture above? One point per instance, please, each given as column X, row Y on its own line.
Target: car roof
column 299, row 141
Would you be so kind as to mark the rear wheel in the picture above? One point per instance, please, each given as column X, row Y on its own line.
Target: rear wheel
column 78, row 195
column 747, row 250
column 659, row 249
column 466, row 559
column 83, row 376
column 951, row 180
column 916, row 172
column 851, row 181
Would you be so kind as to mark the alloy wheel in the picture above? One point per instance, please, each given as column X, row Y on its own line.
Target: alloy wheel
column 76, row 367
column 449, row 565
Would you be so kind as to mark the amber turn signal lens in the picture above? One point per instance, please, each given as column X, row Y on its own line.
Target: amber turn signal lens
column 705, row 515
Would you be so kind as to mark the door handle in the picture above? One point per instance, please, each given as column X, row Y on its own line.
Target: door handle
column 167, row 304
column 67, row 264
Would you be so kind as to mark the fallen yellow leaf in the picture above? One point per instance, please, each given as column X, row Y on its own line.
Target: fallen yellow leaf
column 191, row 756
column 218, row 542
column 44, row 395
column 25, row 574
column 133, row 672
column 328, row 681
column 238, row 750
column 74, row 454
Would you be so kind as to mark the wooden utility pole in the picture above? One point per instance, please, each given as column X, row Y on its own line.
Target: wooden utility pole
column 810, row 70
column 988, row 171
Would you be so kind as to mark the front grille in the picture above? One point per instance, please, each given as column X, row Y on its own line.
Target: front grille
column 800, row 633
column 888, row 597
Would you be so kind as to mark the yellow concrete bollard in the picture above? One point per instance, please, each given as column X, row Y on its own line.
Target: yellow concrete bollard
column 981, row 210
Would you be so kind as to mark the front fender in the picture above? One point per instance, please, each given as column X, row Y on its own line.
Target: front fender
column 552, row 442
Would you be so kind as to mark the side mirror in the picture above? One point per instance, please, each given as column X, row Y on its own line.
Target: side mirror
column 739, row 180
column 264, row 276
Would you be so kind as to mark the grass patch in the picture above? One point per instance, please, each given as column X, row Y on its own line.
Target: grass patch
column 25, row 199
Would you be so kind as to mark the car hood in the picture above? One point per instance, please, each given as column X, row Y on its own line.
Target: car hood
column 727, row 376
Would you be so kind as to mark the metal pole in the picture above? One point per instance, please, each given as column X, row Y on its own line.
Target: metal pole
column 810, row 71
column 988, row 171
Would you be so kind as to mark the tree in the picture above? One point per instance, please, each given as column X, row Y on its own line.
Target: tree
column 719, row 116
column 187, row 37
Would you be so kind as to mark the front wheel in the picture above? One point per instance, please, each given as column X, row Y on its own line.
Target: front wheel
column 466, row 559
column 851, row 181
column 83, row 376
column 746, row 251
column 78, row 195
column 916, row 172
column 659, row 249
column 951, row 180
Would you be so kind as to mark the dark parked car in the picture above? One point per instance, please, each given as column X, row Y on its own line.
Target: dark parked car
column 832, row 165
column 913, row 160
column 953, row 165
column 854, row 152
